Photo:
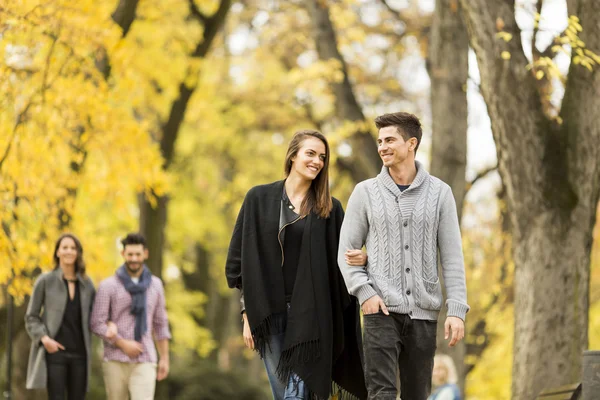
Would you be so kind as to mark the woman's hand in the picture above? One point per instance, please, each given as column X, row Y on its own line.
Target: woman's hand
column 356, row 258
column 51, row 345
column 248, row 341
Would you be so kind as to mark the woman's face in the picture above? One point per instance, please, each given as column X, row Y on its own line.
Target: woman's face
column 440, row 375
column 310, row 159
column 67, row 251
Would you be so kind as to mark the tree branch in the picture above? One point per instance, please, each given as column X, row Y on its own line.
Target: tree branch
column 503, row 67
column 480, row 175
column 124, row 15
column 393, row 11
column 420, row 25
column 171, row 127
column 18, row 122
column 196, row 13
column 365, row 160
column 211, row 27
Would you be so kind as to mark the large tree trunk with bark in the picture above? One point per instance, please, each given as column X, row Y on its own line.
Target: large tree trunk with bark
column 448, row 71
column 364, row 162
column 552, row 176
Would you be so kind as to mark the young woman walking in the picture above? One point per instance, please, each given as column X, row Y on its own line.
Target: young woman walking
column 57, row 321
column 297, row 312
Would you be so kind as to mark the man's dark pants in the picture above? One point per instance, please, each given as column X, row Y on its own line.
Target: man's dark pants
column 397, row 341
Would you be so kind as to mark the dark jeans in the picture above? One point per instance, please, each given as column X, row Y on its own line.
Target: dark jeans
column 396, row 341
column 67, row 376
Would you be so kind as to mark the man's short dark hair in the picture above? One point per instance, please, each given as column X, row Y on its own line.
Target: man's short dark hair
column 407, row 125
column 134, row 238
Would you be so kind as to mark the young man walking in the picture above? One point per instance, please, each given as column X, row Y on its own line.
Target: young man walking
column 134, row 300
column 403, row 216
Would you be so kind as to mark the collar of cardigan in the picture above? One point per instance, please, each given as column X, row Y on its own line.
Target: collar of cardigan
column 385, row 178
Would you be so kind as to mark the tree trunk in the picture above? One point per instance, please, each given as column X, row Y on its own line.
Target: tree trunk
column 364, row 162
column 152, row 223
column 448, row 71
column 153, row 219
column 552, row 176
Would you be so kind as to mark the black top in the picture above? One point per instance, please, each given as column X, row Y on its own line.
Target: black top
column 403, row 187
column 70, row 334
column 291, row 254
column 291, row 239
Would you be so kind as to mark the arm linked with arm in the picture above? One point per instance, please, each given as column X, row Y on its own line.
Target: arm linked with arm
column 353, row 235
column 101, row 314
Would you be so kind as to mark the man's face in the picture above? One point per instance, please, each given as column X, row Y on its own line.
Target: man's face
column 392, row 147
column 134, row 255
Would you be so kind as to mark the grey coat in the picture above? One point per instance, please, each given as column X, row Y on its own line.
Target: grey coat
column 44, row 317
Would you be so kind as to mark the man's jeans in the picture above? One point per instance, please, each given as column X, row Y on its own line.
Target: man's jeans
column 271, row 359
column 396, row 341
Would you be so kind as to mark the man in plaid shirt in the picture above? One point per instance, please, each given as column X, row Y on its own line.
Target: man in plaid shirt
column 134, row 300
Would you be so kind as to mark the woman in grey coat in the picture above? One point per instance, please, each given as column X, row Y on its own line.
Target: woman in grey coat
column 57, row 321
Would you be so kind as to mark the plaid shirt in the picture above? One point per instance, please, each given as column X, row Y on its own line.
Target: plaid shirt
column 113, row 303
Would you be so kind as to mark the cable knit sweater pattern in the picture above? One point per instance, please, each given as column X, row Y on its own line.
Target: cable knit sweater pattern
column 403, row 232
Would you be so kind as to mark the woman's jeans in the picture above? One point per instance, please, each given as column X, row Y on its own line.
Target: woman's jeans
column 280, row 390
column 67, row 376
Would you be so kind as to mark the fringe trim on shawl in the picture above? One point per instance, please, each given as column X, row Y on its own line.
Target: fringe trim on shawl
column 341, row 393
column 300, row 353
column 273, row 324
column 303, row 353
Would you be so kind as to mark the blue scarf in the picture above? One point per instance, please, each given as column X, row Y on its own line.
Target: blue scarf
column 138, row 298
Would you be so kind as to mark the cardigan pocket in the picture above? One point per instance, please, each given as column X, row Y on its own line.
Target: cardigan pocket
column 429, row 294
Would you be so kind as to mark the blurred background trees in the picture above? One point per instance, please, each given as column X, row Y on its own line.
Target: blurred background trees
column 158, row 116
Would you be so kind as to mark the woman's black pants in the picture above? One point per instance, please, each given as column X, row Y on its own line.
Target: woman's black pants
column 67, row 376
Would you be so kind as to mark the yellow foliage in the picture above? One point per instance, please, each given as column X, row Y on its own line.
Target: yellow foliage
column 580, row 55
column 183, row 306
column 65, row 131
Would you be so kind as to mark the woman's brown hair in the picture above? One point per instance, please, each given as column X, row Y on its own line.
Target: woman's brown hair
column 79, row 263
column 318, row 198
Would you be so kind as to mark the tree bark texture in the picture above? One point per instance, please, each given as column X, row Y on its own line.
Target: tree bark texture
column 364, row 162
column 552, row 176
column 448, row 72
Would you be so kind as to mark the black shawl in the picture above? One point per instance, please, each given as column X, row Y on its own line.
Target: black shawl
column 323, row 338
